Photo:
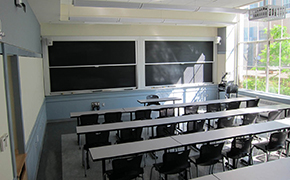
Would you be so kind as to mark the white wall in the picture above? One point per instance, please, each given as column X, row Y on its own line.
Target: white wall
column 126, row 30
column 6, row 172
column 32, row 91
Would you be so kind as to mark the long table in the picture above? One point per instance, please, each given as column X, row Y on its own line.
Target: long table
column 158, row 107
column 144, row 101
column 178, row 119
column 277, row 169
column 119, row 150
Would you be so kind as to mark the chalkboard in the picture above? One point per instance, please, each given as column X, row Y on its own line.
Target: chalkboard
column 91, row 53
column 89, row 65
column 178, row 51
column 178, row 62
column 178, row 74
column 65, row 79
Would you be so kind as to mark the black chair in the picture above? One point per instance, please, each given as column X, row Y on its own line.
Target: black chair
column 225, row 122
column 191, row 109
column 213, row 107
column 173, row 163
column 253, row 103
column 275, row 143
column 152, row 96
column 94, row 140
column 241, row 147
column 126, row 168
column 165, row 130
column 130, row 135
column 231, row 88
column 233, row 105
column 210, row 154
column 88, row 119
column 113, row 117
column 166, row 112
column 274, row 115
column 142, row 114
column 194, row 126
column 250, row 118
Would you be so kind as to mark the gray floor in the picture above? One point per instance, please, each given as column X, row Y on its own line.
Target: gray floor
column 60, row 137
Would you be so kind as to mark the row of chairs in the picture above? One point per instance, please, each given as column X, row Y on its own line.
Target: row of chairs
column 179, row 162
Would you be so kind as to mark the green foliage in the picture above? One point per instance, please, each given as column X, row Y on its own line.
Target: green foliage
column 275, row 54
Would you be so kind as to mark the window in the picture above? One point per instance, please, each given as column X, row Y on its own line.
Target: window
column 265, row 58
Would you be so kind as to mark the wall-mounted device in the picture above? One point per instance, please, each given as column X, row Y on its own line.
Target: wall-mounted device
column 3, row 142
column 95, row 106
column 20, row 4
column 1, row 33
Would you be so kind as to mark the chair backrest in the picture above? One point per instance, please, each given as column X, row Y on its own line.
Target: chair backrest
column 113, row 117
column 142, row 114
column 231, row 88
column 175, row 162
column 210, row 153
column 152, row 96
column 250, row 118
column 273, row 115
column 233, row 105
column 97, row 139
column 276, row 141
column 241, row 146
column 166, row 112
column 252, row 103
column 130, row 135
column 190, row 109
column 89, row 119
column 126, row 165
column 213, row 107
column 225, row 122
column 195, row 126
column 165, row 130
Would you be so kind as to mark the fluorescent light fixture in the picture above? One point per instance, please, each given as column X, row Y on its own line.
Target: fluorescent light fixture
column 132, row 5
column 181, row 21
column 169, row 7
column 141, row 20
column 94, row 19
column 108, row 4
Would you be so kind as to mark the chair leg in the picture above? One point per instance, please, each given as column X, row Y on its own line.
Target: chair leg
column 151, row 172
column 196, row 168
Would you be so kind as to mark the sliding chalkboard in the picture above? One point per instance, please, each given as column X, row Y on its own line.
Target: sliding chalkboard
column 82, row 65
column 178, row 51
column 91, row 53
column 178, row 62
column 178, row 74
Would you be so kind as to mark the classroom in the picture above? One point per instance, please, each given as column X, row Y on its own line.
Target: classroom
column 61, row 57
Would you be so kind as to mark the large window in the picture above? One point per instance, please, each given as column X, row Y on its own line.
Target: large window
column 265, row 54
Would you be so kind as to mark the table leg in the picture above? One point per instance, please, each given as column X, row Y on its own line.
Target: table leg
column 104, row 168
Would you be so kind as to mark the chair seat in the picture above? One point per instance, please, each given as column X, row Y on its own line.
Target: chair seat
column 264, row 147
column 236, row 154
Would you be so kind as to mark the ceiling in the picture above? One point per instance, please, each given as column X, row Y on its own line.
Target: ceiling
column 168, row 12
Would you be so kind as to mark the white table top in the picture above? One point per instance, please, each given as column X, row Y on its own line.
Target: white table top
column 117, row 150
column 178, row 119
column 124, row 149
column 142, row 101
column 271, row 170
column 225, row 133
column 158, row 107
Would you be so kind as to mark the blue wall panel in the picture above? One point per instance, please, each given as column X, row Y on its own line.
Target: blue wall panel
column 60, row 107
